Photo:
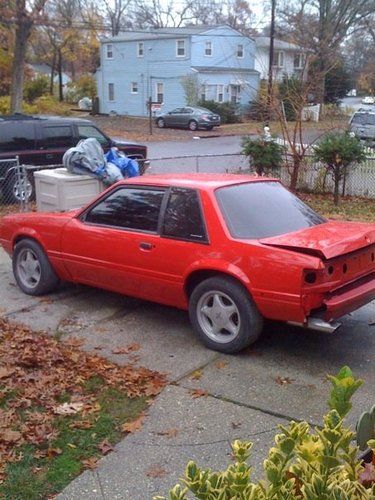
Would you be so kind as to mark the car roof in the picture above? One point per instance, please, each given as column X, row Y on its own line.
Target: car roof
column 196, row 181
column 17, row 117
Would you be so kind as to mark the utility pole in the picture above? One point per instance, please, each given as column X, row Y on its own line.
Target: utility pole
column 271, row 54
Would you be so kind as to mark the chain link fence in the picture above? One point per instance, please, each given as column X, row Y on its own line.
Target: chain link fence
column 18, row 186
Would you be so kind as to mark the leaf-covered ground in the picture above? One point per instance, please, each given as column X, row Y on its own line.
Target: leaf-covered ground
column 61, row 409
column 349, row 208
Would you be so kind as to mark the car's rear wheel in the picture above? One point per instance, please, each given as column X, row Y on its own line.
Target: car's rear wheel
column 18, row 188
column 223, row 315
column 193, row 125
column 160, row 123
column 32, row 269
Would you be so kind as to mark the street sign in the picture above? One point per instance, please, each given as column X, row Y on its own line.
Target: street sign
column 156, row 106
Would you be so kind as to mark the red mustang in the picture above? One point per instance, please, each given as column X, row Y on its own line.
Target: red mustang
column 231, row 249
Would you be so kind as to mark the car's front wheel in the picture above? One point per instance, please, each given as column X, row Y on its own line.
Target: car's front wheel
column 223, row 315
column 160, row 123
column 193, row 125
column 32, row 269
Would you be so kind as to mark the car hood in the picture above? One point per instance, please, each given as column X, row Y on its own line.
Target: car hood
column 326, row 240
column 120, row 142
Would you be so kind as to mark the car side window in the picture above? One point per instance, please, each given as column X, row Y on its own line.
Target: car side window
column 86, row 131
column 129, row 208
column 183, row 216
column 17, row 136
column 57, row 136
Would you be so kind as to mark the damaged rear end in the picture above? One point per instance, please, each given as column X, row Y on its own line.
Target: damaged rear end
column 345, row 279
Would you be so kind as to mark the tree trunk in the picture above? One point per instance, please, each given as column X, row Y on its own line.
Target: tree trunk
column 295, row 172
column 23, row 29
column 336, row 178
column 59, row 66
column 52, row 72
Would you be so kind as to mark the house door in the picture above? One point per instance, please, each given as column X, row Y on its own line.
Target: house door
column 235, row 91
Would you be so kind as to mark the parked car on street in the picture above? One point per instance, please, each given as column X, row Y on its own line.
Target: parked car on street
column 43, row 140
column 189, row 117
column 231, row 249
column 368, row 100
column 362, row 124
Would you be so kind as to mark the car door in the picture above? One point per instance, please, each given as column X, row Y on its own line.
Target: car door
column 110, row 245
column 172, row 118
column 54, row 141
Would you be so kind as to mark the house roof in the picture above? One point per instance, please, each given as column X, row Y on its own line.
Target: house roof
column 158, row 33
column 264, row 42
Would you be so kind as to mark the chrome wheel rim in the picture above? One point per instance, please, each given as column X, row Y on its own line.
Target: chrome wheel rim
column 22, row 190
column 161, row 123
column 193, row 126
column 218, row 316
column 28, row 268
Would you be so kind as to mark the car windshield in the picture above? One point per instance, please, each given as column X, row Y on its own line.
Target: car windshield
column 364, row 118
column 262, row 209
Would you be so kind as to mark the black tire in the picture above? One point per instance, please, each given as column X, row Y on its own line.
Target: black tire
column 193, row 125
column 16, row 191
column 235, row 310
column 160, row 123
column 32, row 269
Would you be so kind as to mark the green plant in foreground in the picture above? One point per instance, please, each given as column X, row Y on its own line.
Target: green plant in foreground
column 314, row 465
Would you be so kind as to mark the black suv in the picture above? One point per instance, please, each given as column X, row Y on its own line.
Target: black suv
column 43, row 140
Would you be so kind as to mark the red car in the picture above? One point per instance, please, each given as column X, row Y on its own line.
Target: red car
column 231, row 249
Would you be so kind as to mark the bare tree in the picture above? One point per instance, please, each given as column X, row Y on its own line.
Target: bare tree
column 115, row 11
column 25, row 15
column 321, row 26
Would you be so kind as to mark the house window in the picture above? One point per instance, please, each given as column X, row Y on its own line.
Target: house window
column 180, row 48
column 298, row 61
column 278, row 59
column 203, row 92
column 140, row 49
column 109, row 51
column 111, row 92
column 160, row 92
column 220, row 93
column 208, row 49
column 240, row 50
column 134, row 87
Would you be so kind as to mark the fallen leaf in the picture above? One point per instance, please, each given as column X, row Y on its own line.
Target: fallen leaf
column 9, row 436
column 198, row 393
column 126, row 349
column 134, row 426
column 196, row 375
column 235, row 425
column 169, row 433
column 6, row 372
column 53, row 452
column 68, row 408
column 105, row 447
column 156, row 471
column 283, row 380
column 90, row 463
column 221, row 364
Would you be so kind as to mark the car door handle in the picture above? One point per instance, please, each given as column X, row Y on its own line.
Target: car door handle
column 146, row 246
column 49, row 156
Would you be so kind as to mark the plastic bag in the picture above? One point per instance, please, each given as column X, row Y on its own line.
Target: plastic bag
column 128, row 167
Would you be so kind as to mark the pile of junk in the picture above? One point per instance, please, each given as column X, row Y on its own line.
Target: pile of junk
column 88, row 158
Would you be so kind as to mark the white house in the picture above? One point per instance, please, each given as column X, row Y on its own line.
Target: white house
column 289, row 59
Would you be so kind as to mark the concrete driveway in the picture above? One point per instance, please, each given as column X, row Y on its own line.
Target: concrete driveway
column 244, row 396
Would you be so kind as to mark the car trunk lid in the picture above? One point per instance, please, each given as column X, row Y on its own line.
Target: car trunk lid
column 327, row 240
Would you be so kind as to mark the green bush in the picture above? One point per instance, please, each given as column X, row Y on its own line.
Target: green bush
column 264, row 155
column 5, row 106
column 304, row 464
column 339, row 151
column 50, row 105
column 228, row 111
column 36, row 88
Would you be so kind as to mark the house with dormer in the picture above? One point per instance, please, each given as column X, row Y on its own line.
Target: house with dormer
column 143, row 64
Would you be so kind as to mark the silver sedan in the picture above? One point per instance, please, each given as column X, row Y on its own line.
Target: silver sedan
column 190, row 117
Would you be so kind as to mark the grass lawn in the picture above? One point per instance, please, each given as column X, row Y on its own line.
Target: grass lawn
column 60, row 410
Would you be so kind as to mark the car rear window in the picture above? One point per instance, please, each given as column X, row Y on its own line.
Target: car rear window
column 364, row 119
column 16, row 136
column 263, row 209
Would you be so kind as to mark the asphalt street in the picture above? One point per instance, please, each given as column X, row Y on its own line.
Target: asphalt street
column 246, row 396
